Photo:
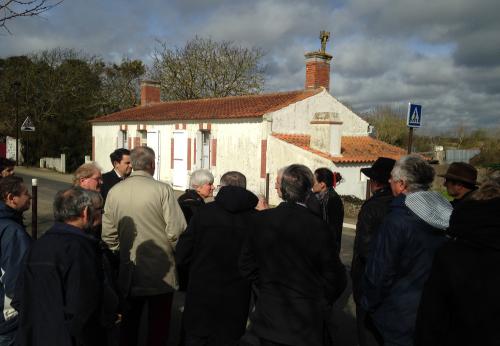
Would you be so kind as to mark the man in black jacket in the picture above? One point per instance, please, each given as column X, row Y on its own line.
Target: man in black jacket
column 369, row 219
column 122, row 167
column 217, row 297
column 289, row 257
column 59, row 293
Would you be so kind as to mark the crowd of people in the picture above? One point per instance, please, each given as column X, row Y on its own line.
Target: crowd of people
column 423, row 269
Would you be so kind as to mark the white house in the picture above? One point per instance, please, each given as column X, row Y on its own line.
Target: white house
column 255, row 134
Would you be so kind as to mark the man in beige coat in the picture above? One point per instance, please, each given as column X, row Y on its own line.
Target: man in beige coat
column 143, row 221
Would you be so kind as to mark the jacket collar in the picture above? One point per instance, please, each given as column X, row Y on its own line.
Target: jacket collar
column 64, row 228
column 9, row 213
column 141, row 174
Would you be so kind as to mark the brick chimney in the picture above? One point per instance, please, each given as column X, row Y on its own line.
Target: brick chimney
column 150, row 92
column 318, row 65
column 326, row 134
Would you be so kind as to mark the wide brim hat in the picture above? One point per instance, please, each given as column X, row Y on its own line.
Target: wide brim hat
column 380, row 170
column 461, row 172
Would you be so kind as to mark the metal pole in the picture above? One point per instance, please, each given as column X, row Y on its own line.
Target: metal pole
column 410, row 140
column 34, row 208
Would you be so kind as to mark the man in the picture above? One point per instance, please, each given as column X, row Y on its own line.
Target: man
column 403, row 250
column 14, row 242
column 370, row 217
column 143, row 221
column 88, row 176
column 59, row 294
column 6, row 167
column 289, row 255
column 120, row 159
column 460, row 181
column 218, row 296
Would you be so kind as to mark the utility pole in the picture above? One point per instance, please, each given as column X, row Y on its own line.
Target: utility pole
column 16, row 85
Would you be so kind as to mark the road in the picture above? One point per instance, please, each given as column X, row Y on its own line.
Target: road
column 49, row 183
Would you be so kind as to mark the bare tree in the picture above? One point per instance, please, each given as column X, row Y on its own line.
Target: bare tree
column 206, row 68
column 10, row 9
column 390, row 124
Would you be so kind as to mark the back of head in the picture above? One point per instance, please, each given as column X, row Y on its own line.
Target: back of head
column 11, row 184
column 489, row 189
column 117, row 155
column 142, row 158
column 69, row 204
column 200, row 177
column 296, row 183
column 415, row 172
column 85, row 171
column 233, row 178
column 5, row 163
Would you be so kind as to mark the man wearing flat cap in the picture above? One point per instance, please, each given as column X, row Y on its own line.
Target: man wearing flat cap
column 369, row 219
column 460, row 180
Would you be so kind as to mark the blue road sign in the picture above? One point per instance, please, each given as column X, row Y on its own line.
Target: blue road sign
column 414, row 118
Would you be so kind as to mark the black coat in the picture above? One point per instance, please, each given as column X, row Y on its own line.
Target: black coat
column 109, row 180
column 460, row 303
column 370, row 218
column 189, row 202
column 59, row 293
column 217, row 298
column 332, row 211
column 289, row 256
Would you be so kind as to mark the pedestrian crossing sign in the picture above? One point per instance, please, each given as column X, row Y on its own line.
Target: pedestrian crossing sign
column 414, row 118
column 28, row 125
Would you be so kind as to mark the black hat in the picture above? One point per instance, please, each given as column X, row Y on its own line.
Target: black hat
column 462, row 172
column 380, row 170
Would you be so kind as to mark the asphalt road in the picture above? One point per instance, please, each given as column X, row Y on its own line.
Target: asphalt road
column 49, row 183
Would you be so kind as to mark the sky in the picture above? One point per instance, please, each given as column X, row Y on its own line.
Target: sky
column 442, row 54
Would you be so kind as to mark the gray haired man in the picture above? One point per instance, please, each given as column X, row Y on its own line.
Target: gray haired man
column 143, row 221
column 60, row 291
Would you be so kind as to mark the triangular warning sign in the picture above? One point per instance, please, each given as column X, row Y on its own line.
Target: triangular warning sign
column 28, row 125
column 415, row 117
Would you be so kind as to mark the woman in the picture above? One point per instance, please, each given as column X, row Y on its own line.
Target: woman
column 332, row 208
column 460, row 304
column 201, row 186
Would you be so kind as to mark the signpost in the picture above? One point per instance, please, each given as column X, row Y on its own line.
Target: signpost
column 27, row 126
column 413, row 120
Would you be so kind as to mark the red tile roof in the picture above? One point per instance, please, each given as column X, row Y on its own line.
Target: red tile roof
column 354, row 149
column 233, row 107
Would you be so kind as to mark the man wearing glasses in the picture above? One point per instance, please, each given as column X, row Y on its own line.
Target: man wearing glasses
column 88, row 176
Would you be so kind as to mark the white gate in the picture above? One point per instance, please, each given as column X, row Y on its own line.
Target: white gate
column 180, row 159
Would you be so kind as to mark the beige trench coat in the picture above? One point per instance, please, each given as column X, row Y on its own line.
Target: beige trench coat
column 143, row 220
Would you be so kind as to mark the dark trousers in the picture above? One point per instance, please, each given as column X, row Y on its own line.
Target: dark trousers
column 368, row 334
column 264, row 342
column 158, row 320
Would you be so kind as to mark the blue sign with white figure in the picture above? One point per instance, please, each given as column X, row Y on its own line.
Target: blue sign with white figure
column 414, row 118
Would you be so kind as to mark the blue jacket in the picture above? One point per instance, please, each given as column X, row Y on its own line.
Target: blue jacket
column 399, row 265
column 14, row 242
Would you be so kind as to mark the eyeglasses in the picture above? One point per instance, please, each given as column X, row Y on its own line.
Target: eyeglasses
column 98, row 179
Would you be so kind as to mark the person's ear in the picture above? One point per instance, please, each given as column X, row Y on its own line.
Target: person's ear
column 9, row 198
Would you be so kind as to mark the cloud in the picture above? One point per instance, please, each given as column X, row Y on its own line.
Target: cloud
column 441, row 53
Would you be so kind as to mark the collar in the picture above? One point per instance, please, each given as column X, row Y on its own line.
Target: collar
column 117, row 173
column 64, row 228
column 141, row 174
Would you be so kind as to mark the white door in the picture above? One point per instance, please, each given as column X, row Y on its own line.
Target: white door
column 180, row 159
column 153, row 141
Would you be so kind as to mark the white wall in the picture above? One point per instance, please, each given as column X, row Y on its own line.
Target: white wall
column 282, row 154
column 296, row 117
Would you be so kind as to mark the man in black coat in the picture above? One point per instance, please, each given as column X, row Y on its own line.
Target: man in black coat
column 290, row 257
column 122, row 167
column 59, row 293
column 217, row 297
column 460, row 181
column 370, row 218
